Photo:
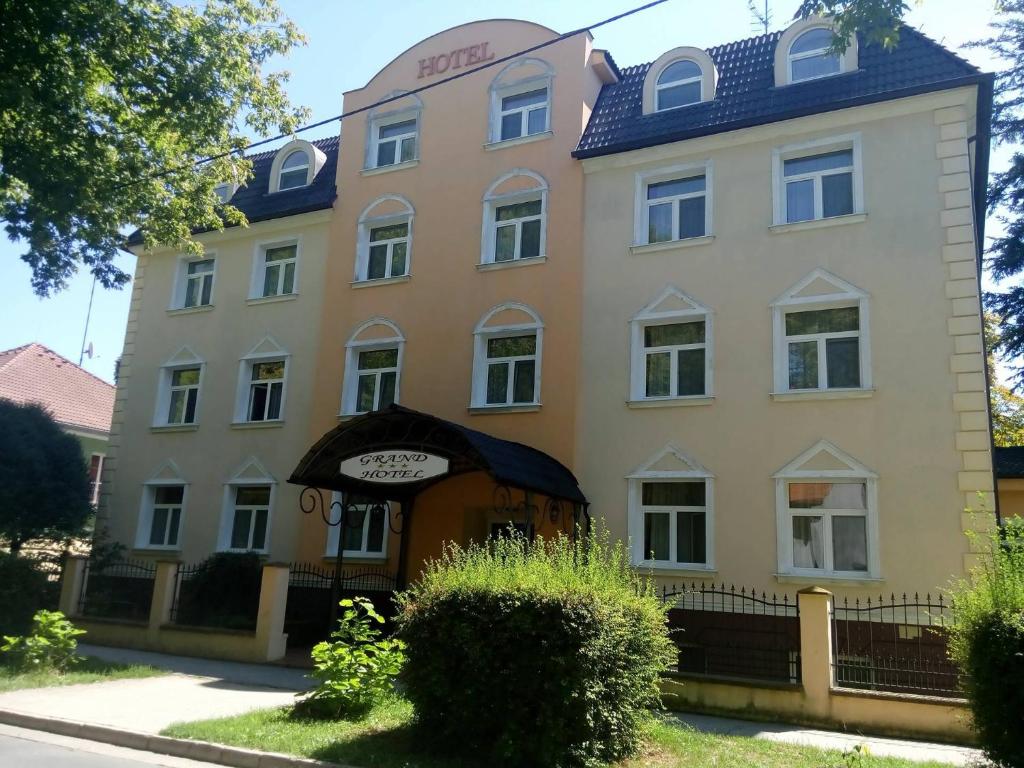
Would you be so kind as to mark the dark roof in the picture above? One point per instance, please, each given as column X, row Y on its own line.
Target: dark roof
column 260, row 205
column 1010, row 462
column 746, row 94
column 399, row 428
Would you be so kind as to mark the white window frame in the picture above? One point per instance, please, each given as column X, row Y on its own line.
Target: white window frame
column 659, row 86
column 245, row 381
column 500, row 94
column 855, row 473
column 355, row 345
column 845, row 295
column 481, row 363
column 783, row 71
column 181, row 279
column 259, row 268
column 690, row 470
column 251, row 473
column 780, row 155
column 377, row 122
column 315, row 160
column 304, row 168
column 793, row 57
column 656, row 175
column 334, row 531
column 368, row 222
column 492, row 201
column 232, row 508
column 651, row 316
column 147, row 507
column 502, row 89
column 183, row 359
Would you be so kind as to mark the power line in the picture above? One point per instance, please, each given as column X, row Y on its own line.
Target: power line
column 405, row 94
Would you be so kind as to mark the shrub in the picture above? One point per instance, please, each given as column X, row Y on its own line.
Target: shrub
column 23, row 591
column 51, row 646
column 224, row 592
column 988, row 644
column 546, row 653
column 357, row 668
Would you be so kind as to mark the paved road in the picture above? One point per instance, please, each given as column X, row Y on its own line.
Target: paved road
column 21, row 748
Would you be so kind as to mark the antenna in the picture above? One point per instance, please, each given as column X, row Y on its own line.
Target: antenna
column 760, row 18
column 88, row 315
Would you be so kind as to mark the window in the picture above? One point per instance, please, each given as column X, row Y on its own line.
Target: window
column 266, row 391
column 670, row 356
column 373, row 365
column 676, row 209
column 810, row 57
column 821, row 336
column 388, row 248
column 278, row 270
column 384, row 240
column 250, row 516
column 515, row 222
column 679, row 84
column 395, row 143
column 224, row 191
column 365, row 528
column 198, row 283
column 294, row 171
column 506, row 361
column 183, row 395
column 95, row 477
column 827, row 518
column 524, row 114
column 165, row 520
column 819, row 186
column 670, row 512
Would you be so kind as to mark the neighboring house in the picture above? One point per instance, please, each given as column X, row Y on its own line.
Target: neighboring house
column 81, row 403
column 734, row 291
column 1009, row 463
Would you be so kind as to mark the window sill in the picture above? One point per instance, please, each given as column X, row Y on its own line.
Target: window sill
column 355, row 557
column 271, row 299
column 481, row 410
column 853, row 581
column 174, row 427
column 389, row 168
column 833, row 221
column 269, row 424
column 674, row 570
column 493, row 145
column 491, row 265
column 380, row 281
column 670, row 245
column 671, row 402
column 823, row 394
column 151, row 549
column 189, row 310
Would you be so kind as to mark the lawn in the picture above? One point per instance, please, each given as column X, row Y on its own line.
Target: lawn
column 90, row 670
column 385, row 740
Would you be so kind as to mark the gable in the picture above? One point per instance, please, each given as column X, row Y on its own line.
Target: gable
column 670, row 461
column 823, row 459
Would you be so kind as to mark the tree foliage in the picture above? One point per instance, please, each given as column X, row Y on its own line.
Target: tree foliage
column 1007, row 406
column 878, row 21
column 44, row 480
column 105, row 108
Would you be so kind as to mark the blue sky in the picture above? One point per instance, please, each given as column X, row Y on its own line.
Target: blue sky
column 349, row 41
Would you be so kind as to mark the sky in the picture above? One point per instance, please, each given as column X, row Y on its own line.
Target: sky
column 348, row 41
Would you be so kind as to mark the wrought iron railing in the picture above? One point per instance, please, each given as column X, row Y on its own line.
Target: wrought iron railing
column 122, row 589
column 310, row 590
column 899, row 645
column 726, row 632
column 221, row 592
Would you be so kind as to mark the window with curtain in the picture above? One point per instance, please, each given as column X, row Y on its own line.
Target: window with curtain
column 675, row 521
column 829, row 525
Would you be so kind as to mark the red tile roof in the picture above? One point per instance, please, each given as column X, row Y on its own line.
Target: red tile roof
column 35, row 374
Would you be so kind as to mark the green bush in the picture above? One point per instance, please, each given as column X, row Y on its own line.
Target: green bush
column 52, row 645
column 357, row 668
column 24, row 589
column 988, row 644
column 533, row 654
column 224, row 592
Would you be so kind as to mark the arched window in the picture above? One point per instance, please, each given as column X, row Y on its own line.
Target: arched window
column 294, row 171
column 393, row 133
column 521, row 101
column 679, row 84
column 373, row 367
column 515, row 219
column 384, row 245
column 507, row 358
column 810, row 58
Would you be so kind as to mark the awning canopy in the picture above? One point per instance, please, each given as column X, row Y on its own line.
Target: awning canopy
column 396, row 453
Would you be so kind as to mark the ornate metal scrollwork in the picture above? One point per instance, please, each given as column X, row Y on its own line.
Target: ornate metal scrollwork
column 311, row 500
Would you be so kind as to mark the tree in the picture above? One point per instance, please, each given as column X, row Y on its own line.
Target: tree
column 878, row 21
column 44, row 480
column 106, row 107
column 1007, row 406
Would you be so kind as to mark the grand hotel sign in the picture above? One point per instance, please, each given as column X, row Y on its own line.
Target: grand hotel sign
column 394, row 467
column 456, row 59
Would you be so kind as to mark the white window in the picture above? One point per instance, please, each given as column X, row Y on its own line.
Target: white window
column 388, row 251
column 679, row 84
column 827, row 518
column 294, row 171
column 670, row 513
column 364, row 527
column 810, row 58
column 821, row 328
column 674, row 208
column 819, row 180
column 373, row 366
column 277, row 265
column 515, row 223
column 506, row 363
column 671, row 349
column 266, row 390
column 183, row 395
column 523, row 114
column 163, row 504
column 199, row 282
column 250, row 517
column 224, row 191
column 394, row 142
column 521, row 101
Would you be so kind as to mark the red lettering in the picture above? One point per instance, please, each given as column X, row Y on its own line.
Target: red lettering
column 472, row 54
column 438, row 68
column 427, row 66
column 483, row 52
column 456, row 55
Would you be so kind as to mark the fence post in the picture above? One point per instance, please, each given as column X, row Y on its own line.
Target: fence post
column 816, row 648
column 270, row 637
column 164, row 583
column 71, row 583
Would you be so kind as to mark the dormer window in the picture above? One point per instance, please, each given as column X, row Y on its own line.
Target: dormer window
column 294, row 171
column 224, row 191
column 810, row 56
column 679, row 84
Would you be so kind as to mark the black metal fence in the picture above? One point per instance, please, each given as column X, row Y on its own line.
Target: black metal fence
column 728, row 633
column 898, row 645
column 122, row 589
column 222, row 592
column 307, row 616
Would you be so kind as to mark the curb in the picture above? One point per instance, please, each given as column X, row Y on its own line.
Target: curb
column 204, row 751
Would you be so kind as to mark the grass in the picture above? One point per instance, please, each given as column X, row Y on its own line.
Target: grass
column 89, row 670
column 385, row 739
